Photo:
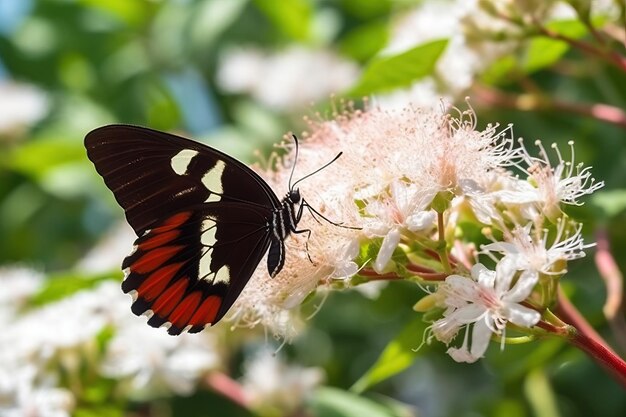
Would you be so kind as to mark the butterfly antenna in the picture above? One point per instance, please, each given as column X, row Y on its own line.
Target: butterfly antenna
column 316, row 171
column 295, row 160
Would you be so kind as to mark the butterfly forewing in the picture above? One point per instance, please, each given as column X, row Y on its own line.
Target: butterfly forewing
column 155, row 174
column 203, row 221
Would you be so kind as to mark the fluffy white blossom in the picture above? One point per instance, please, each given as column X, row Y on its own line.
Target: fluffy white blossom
column 18, row 283
column 151, row 362
column 294, row 77
column 21, row 105
column 483, row 305
column 114, row 246
column 271, row 384
column 61, row 336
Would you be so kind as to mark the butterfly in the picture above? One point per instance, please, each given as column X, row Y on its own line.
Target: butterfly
column 203, row 220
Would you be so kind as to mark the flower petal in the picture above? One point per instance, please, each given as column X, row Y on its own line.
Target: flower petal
column 481, row 334
column 483, row 275
column 522, row 288
column 390, row 243
column 422, row 220
column 522, row 316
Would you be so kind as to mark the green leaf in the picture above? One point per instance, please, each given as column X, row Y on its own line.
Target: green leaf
column 333, row 402
column 397, row 71
column 292, row 17
column 36, row 158
column 61, row 286
column 499, row 71
column 133, row 12
column 544, row 52
column 365, row 41
column 612, row 202
column 397, row 356
column 212, row 18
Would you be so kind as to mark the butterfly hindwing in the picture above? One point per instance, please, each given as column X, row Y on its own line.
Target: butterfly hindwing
column 187, row 271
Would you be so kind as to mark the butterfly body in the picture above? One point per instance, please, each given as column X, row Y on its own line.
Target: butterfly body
column 203, row 219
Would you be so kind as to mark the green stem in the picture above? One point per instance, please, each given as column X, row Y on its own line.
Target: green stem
column 442, row 245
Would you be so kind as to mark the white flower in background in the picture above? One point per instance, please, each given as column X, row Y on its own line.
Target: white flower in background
column 548, row 186
column 62, row 334
column 68, row 326
column 483, row 305
column 21, row 395
column 456, row 67
column 294, row 77
column 18, row 284
column 152, row 362
column 21, row 105
column 106, row 256
column 271, row 384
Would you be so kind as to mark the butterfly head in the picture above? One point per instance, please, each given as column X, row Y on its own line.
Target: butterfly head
column 294, row 195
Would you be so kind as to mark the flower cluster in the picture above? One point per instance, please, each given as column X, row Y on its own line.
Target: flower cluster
column 44, row 351
column 479, row 33
column 401, row 197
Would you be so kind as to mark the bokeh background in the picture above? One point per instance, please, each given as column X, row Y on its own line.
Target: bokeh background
column 238, row 75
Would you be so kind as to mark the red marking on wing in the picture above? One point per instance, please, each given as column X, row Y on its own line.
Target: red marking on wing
column 166, row 302
column 159, row 239
column 156, row 282
column 153, row 259
column 183, row 311
column 207, row 311
column 173, row 222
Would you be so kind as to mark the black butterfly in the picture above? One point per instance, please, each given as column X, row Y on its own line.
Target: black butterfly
column 203, row 219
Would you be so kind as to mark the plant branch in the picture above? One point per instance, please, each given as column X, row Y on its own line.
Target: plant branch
column 614, row 280
column 608, row 55
column 534, row 102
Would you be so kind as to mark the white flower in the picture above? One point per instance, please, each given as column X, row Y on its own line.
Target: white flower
column 21, row 105
column 533, row 254
column 484, row 305
column 106, row 255
column 153, row 362
column 18, row 284
column 270, row 383
column 403, row 209
column 550, row 186
column 22, row 395
column 294, row 77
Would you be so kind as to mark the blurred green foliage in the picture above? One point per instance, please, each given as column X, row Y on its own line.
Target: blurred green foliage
column 154, row 62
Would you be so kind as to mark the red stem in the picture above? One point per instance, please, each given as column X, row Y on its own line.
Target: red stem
column 567, row 312
column 601, row 354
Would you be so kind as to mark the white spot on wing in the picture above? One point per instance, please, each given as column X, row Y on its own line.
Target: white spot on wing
column 223, row 275
column 148, row 314
column 133, row 294
column 180, row 161
column 126, row 272
column 205, row 266
column 212, row 180
column 208, row 232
